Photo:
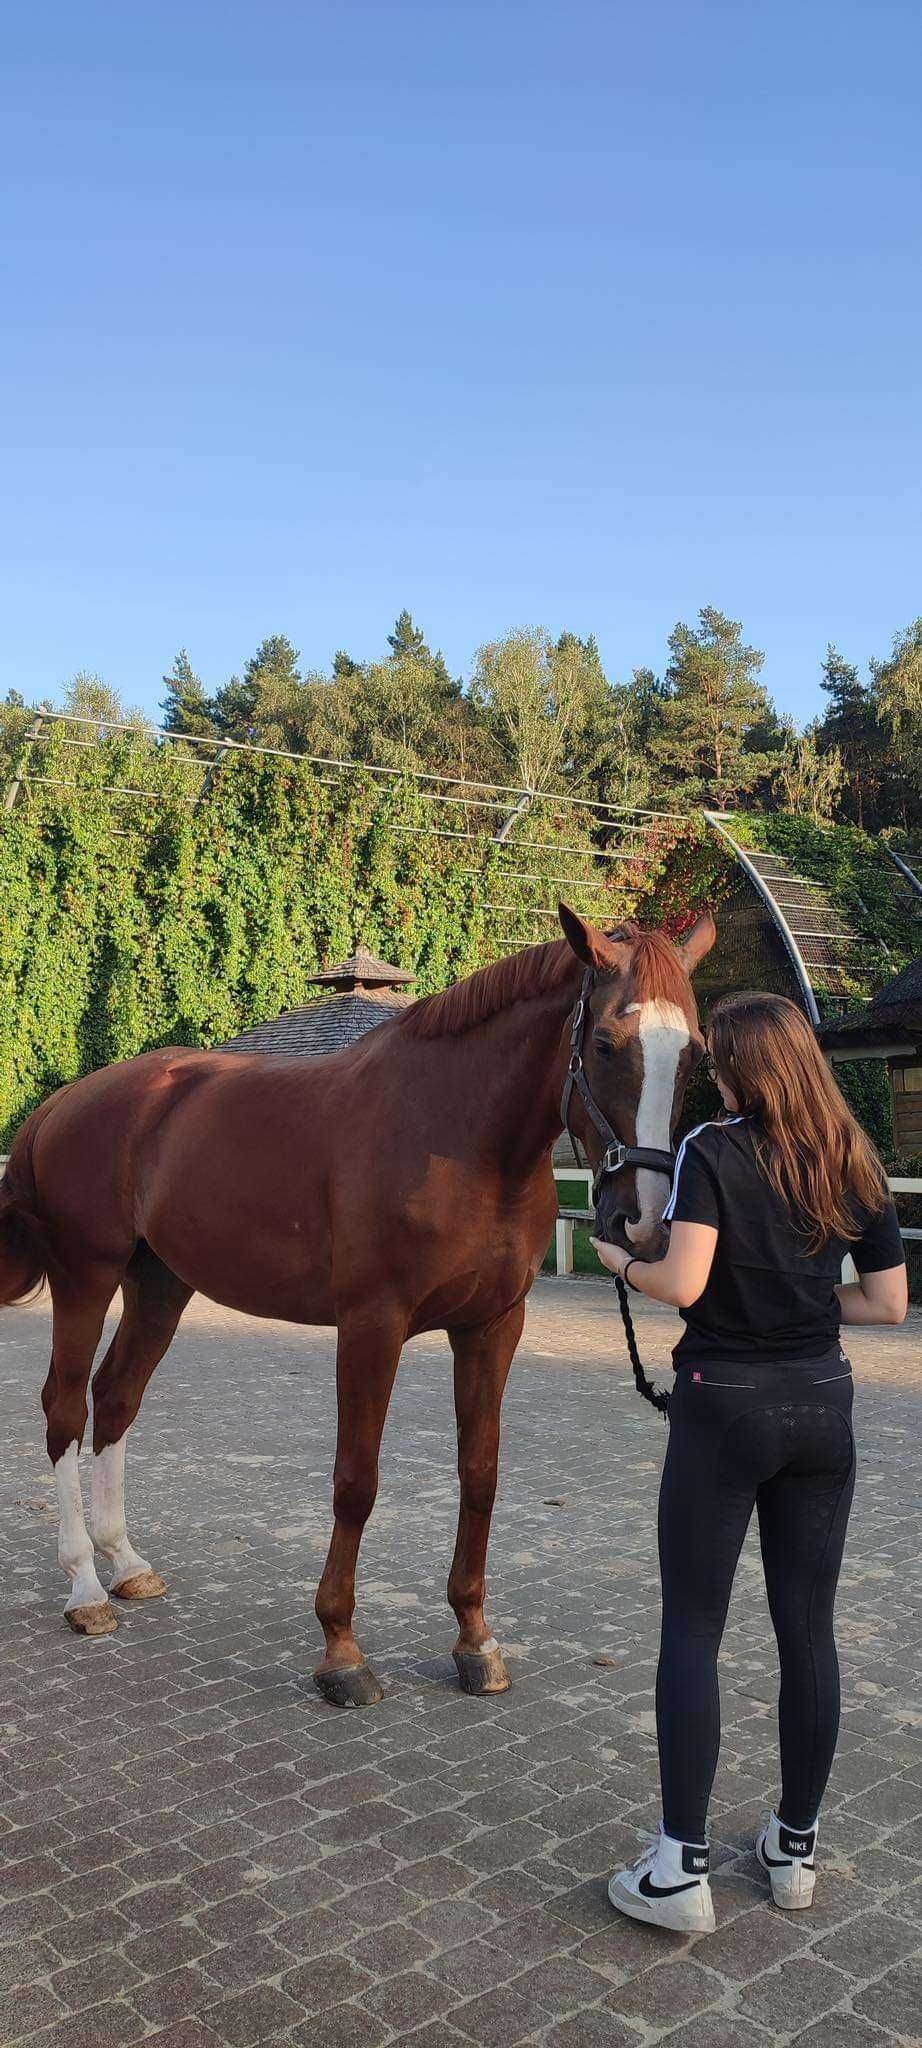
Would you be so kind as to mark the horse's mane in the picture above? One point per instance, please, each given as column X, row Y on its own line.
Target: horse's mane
column 655, row 970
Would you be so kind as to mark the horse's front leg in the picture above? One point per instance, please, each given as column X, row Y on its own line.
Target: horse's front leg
column 367, row 1355
column 482, row 1361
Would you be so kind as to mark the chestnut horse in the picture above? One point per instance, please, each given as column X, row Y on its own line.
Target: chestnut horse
column 402, row 1185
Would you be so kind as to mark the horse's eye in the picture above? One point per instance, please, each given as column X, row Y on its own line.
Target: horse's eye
column 604, row 1048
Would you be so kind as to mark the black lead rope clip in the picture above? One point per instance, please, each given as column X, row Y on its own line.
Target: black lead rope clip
column 657, row 1396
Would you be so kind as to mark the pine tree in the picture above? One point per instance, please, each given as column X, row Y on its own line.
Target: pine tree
column 186, row 708
column 849, row 728
column 715, row 714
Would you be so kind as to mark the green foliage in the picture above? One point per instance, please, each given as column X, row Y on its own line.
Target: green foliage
column 716, row 726
column 148, row 897
column 859, row 881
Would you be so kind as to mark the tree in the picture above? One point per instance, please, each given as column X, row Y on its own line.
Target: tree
column 88, row 696
column 898, row 694
column 404, row 712
column 266, row 705
column 715, row 714
column 533, row 694
column 186, row 707
column 849, row 728
column 407, row 642
column 806, row 778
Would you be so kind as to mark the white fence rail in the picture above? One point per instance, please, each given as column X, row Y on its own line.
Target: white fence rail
column 570, row 1217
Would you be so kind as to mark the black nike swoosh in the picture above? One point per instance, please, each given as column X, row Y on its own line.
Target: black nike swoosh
column 663, row 1891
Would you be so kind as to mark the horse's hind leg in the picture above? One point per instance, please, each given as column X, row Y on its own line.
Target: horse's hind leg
column 482, row 1361
column 153, row 1302
column 367, row 1356
column 79, row 1311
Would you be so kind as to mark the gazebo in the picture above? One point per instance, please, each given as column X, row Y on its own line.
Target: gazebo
column 889, row 1028
column 359, row 994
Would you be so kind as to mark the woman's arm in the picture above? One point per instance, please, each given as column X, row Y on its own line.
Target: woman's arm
column 875, row 1297
column 678, row 1278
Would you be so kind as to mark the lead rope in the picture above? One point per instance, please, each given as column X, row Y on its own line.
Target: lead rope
column 657, row 1396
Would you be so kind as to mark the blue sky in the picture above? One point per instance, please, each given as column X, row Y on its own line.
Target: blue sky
column 583, row 315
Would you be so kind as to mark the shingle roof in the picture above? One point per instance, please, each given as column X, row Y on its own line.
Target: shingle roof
column 363, row 967
column 320, row 1027
column 896, row 1008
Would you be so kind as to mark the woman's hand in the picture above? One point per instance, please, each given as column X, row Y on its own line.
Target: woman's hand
column 612, row 1255
column 679, row 1277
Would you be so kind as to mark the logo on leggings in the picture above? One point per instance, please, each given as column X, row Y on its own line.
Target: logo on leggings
column 696, row 1376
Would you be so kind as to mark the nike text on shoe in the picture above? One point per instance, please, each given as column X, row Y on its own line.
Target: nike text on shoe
column 789, row 1857
column 667, row 1887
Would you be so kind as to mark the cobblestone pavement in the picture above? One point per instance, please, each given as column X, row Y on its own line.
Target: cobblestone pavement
column 197, row 1851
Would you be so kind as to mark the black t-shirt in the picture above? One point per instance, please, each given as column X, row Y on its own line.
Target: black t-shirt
column 767, row 1297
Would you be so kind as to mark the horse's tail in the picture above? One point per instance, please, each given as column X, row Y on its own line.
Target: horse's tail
column 22, row 1251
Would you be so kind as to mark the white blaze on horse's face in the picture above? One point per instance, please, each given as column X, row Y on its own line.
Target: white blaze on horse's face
column 663, row 1034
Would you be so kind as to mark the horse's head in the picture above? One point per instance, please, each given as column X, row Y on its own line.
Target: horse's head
column 641, row 1042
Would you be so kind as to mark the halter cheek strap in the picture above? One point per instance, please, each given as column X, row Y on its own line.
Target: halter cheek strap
column 616, row 1155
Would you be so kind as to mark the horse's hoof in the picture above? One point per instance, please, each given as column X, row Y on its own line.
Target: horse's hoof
column 98, row 1620
column 482, row 1671
column 352, row 1685
column 141, row 1586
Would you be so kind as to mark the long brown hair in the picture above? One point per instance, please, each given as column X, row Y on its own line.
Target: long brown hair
column 809, row 1145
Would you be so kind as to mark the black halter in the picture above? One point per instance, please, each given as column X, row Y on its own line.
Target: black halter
column 616, row 1155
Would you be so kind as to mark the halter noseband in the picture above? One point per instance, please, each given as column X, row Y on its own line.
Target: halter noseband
column 616, row 1155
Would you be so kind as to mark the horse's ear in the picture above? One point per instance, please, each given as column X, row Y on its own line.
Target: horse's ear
column 590, row 945
column 697, row 942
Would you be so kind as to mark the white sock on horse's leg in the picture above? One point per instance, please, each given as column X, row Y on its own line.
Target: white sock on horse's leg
column 75, row 1550
column 107, row 1513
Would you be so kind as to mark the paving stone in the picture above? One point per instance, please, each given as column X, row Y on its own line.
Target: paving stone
column 326, row 1980
column 668, row 1993
column 252, row 2016
column 719, row 2030
column 500, row 2018
column 593, row 2029
column 789, row 1998
column 447, row 1921
column 562, row 1983
column 180, row 1994
column 165, row 1948
column 405, row 2001
column 751, row 1943
column 385, row 1950
column 230, row 1862
column 473, row 1966
column 347, row 2026
column 104, row 2026
column 895, row 2001
column 250, row 1961
column 25, row 2010
column 839, row 2030
column 867, row 1945
column 24, row 1961
column 105, row 1974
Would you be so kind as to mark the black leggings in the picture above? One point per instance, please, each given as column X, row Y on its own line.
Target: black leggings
column 778, row 1438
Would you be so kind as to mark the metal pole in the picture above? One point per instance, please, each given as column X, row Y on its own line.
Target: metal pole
column 796, row 957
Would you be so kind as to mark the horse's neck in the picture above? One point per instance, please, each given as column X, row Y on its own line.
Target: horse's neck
column 518, row 1063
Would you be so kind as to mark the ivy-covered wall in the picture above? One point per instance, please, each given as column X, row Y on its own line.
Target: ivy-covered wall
column 144, row 902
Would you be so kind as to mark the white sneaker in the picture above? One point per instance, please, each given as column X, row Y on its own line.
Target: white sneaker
column 668, row 1887
column 790, row 1860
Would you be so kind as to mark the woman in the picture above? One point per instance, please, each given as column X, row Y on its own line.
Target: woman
column 763, row 1208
